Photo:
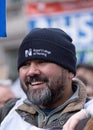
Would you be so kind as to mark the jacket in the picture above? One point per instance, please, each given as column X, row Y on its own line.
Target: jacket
column 32, row 114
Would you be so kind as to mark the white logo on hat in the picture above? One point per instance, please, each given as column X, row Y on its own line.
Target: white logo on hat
column 28, row 52
column 38, row 52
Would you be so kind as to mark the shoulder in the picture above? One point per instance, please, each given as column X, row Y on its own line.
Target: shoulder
column 7, row 107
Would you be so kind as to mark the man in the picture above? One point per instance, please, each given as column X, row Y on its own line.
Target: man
column 46, row 65
column 5, row 92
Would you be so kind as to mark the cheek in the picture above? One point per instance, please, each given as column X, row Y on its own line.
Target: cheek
column 22, row 76
column 22, row 81
column 51, row 72
column 55, row 79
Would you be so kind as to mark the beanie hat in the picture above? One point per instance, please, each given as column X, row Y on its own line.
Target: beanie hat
column 50, row 44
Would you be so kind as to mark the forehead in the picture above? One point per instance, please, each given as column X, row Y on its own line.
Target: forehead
column 38, row 60
column 44, row 63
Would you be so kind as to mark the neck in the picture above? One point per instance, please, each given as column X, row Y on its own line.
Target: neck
column 60, row 101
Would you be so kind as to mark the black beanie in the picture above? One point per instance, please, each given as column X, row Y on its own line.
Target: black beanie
column 50, row 44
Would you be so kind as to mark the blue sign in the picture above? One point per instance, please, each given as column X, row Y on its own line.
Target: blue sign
column 79, row 25
column 2, row 18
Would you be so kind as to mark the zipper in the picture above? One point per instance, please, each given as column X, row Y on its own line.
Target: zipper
column 43, row 122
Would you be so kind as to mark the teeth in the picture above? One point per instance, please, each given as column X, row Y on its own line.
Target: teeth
column 36, row 83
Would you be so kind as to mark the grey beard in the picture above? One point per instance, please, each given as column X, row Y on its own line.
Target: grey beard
column 40, row 96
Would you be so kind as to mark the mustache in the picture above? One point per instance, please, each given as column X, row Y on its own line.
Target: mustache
column 35, row 78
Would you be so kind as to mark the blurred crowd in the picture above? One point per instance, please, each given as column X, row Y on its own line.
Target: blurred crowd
column 9, row 90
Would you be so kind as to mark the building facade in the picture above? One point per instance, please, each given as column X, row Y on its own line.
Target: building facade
column 16, row 28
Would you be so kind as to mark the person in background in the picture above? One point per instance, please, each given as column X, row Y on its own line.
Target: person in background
column 85, row 73
column 47, row 67
column 89, row 88
column 86, row 112
column 5, row 91
column 17, row 89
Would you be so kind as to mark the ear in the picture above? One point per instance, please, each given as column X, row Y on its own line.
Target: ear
column 71, row 75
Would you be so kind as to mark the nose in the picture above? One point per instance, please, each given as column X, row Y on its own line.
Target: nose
column 33, row 69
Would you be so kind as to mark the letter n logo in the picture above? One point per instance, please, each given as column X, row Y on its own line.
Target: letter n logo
column 28, row 52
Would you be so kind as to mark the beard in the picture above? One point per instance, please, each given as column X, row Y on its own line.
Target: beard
column 45, row 96
column 41, row 96
column 50, row 93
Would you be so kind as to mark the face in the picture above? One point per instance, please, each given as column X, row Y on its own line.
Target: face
column 43, row 82
column 89, row 89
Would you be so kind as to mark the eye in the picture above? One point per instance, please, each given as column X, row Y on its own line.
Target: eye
column 26, row 64
column 41, row 61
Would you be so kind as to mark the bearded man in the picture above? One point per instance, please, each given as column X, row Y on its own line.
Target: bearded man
column 46, row 66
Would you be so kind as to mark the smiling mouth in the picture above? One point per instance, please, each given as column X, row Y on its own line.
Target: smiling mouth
column 36, row 83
